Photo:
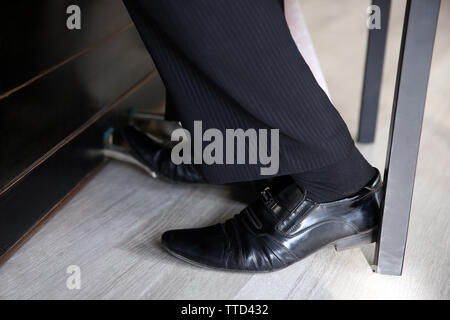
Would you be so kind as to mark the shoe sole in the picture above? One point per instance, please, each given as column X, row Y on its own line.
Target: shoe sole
column 356, row 240
column 349, row 242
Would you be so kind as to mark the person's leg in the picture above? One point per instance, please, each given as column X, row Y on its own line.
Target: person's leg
column 338, row 180
column 233, row 64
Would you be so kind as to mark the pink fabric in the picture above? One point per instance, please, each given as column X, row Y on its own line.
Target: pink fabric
column 302, row 38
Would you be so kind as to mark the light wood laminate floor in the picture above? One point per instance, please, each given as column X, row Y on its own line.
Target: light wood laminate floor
column 111, row 229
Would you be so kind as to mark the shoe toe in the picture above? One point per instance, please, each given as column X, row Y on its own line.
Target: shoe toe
column 205, row 246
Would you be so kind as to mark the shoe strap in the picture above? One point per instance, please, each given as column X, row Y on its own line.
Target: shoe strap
column 290, row 213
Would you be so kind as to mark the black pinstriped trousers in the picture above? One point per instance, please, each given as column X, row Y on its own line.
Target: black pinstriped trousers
column 233, row 64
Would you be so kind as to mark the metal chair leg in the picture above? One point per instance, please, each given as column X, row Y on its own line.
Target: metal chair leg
column 406, row 125
column 373, row 73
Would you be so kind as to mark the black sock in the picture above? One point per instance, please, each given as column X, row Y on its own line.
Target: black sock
column 338, row 180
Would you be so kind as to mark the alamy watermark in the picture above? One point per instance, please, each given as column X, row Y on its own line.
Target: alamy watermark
column 73, row 282
column 237, row 141
column 374, row 18
column 73, row 21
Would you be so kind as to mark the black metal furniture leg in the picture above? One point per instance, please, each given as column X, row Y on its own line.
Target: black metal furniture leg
column 373, row 73
column 406, row 125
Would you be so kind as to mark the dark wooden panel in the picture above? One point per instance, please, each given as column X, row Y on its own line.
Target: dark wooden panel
column 30, row 199
column 51, row 128
column 27, row 201
column 36, row 118
column 34, row 36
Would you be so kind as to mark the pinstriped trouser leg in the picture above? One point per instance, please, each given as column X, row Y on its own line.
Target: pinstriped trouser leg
column 234, row 64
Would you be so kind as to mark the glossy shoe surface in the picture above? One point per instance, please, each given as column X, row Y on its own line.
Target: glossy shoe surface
column 158, row 157
column 280, row 228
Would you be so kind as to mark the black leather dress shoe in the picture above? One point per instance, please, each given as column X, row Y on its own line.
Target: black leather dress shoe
column 280, row 228
column 157, row 157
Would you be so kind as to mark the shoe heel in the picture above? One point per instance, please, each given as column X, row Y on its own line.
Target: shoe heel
column 356, row 240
